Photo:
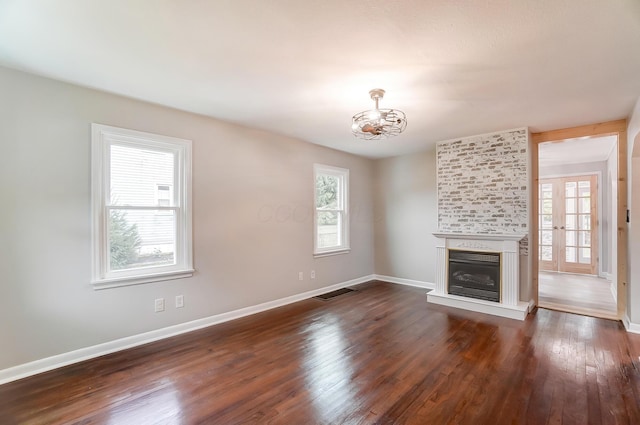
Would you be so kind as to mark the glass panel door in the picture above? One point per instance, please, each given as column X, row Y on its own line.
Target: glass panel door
column 578, row 255
column 566, row 217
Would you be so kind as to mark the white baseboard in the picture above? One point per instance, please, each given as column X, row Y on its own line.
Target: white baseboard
column 64, row 359
column 517, row 312
column 629, row 326
column 614, row 290
column 408, row 282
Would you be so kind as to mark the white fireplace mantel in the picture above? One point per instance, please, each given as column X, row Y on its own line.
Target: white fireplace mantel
column 481, row 236
column 508, row 245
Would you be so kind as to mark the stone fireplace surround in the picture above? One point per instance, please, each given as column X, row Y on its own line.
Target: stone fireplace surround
column 510, row 305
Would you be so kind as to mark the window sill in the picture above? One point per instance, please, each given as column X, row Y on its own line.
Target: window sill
column 137, row 280
column 330, row 253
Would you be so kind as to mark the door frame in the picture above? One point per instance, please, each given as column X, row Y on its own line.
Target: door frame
column 610, row 128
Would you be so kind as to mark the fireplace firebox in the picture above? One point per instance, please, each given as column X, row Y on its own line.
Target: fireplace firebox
column 474, row 274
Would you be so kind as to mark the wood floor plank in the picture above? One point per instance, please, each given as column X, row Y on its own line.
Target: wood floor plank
column 379, row 355
column 577, row 293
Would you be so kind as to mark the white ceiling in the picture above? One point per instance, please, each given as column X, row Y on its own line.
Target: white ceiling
column 576, row 151
column 301, row 68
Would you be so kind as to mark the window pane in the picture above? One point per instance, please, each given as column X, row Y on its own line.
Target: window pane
column 585, row 239
column 570, row 255
column 571, row 238
column 327, row 191
column 585, row 222
column 137, row 174
column 585, row 205
column 547, row 221
column 570, row 222
column 547, row 237
column 584, row 188
column 547, row 206
column 570, row 189
column 546, row 253
column 328, row 229
column 585, row 255
column 571, row 205
column 141, row 238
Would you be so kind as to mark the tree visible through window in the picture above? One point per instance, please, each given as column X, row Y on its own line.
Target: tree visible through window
column 124, row 241
column 331, row 223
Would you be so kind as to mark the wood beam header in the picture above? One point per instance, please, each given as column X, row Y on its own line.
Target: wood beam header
column 591, row 130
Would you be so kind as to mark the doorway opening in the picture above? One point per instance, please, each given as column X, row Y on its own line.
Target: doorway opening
column 577, row 223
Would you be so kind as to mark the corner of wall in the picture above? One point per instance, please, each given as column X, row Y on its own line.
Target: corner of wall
column 633, row 204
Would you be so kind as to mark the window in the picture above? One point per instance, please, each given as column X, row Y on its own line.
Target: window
column 141, row 207
column 331, row 219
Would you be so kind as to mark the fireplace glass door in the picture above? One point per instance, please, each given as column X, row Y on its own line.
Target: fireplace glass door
column 474, row 274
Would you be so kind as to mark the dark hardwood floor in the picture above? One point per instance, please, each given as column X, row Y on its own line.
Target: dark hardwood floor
column 380, row 355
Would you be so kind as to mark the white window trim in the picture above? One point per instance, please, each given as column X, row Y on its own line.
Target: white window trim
column 343, row 175
column 102, row 137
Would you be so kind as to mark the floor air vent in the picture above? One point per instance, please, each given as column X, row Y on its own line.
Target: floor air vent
column 334, row 294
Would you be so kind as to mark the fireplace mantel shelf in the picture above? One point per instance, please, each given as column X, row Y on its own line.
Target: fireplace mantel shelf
column 481, row 236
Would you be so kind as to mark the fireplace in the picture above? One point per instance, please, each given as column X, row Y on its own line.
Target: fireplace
column 491, row 285
column 474, row 274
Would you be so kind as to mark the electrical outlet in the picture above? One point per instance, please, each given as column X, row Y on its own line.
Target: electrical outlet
column 159, row 305
column 313, row 274
column 300, row 276
column 179, row 301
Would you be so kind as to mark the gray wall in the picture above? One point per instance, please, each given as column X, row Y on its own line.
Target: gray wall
column 406, row 215
column 252, row 221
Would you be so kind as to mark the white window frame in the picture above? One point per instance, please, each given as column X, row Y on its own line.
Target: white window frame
column 343, row 180
column 102, row 138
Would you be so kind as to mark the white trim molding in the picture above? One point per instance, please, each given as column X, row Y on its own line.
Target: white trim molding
column 478, row 237
column 630, row 326
column 65, row 359
column 406, row 282
column 613, row 287
column 517, row 312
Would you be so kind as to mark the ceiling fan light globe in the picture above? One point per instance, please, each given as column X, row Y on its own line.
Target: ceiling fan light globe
column 373, row 115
